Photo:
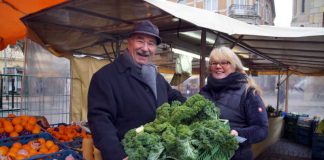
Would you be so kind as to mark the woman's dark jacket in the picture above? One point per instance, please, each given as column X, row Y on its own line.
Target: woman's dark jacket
column 120, row 100
column 243, row 108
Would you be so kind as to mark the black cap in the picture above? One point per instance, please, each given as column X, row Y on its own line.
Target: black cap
column 147, row 27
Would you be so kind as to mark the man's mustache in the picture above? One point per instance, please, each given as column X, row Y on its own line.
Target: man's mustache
column 143, row 53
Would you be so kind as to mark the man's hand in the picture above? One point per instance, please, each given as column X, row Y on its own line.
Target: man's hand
column 125, row 158
column 234, row 132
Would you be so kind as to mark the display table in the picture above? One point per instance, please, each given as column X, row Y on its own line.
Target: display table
column 275, row 132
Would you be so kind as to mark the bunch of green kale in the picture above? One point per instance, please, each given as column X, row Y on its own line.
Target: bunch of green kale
column 189, row 131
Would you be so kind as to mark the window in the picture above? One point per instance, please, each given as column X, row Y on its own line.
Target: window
column 267, row 13
column 303, row 6
column 182, row 1
column 211, row 5
column 240, row 2
column 323, row 20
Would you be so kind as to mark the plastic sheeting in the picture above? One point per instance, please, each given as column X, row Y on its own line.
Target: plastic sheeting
column 46, row 84
column 41, row 63
column 184, row 64
column 58, row 85
column 82, row 71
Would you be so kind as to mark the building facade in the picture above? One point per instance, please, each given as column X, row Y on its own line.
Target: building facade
column 258, row 12
column 308, row 13
column 11, row 57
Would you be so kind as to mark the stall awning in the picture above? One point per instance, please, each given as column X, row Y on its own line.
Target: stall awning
column 11, row 28
column 97, row 27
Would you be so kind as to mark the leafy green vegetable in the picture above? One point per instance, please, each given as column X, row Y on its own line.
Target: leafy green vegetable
column 189, row 131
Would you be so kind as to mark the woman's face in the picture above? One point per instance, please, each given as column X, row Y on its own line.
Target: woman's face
column 221, row 69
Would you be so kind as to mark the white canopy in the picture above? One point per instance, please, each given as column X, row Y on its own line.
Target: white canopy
column 218, row 22
column 97, row 28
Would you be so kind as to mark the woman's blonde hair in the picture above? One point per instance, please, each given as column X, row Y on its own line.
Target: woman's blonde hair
column 225, row 53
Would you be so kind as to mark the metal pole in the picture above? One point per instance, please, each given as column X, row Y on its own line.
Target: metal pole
column 278, row 90
column 202, row 75
column 1, row 92
column 287, row 89
column 12, row 93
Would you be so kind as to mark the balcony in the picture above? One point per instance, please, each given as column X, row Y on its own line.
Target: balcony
column 236, row 10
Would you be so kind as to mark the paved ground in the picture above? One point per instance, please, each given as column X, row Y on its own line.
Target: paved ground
column 286, row 150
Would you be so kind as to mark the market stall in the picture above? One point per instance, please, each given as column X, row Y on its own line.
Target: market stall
column 98, row 29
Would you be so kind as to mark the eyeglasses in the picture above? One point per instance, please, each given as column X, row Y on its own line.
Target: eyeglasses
column 221, row 63
column 142, row 42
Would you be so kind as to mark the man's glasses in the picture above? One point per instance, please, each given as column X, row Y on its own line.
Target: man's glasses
column 221, row 63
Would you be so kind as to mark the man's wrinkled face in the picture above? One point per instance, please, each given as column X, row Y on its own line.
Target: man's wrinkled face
column 142, row 47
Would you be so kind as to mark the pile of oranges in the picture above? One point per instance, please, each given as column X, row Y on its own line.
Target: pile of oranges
column 32, row 148
column 67, row 133
column 14, row 126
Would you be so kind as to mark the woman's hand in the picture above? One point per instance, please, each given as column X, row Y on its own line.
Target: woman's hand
column 234, row 132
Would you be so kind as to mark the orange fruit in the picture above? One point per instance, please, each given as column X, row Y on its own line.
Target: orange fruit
column 32, row 120
column 50, row 130
column 12, row 154
column 20, row 157
column 36, row 130
column 19, row 128
column 16, row 120
column 17, row 145
column 54, row 149
column 9, row 128
column 32, row 152
column 13, row 149
column 43, row 150
column 23, row 123
column 13, row 134
column 24, row 118
column 11, row 115
column 49, row 143
column 29, row 127
column 4, row 150
column 41, row 140
column 2, row 130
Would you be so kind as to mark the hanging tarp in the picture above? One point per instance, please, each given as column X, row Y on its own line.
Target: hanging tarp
column 85, row 27
column 82, row 71
column 11, row 28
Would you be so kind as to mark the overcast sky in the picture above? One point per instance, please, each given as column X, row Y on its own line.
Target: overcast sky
column 283, row 13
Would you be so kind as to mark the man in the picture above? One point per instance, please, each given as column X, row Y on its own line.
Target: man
column 125, row 94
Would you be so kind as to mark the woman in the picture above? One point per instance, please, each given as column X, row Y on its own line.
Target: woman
column 238, row 98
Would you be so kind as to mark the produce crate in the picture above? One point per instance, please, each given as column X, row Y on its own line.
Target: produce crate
column 291, row 119
column 21, row 125
column 317, row 154
column 58, row 155
column 318, row 141
column 76, row 143
column 318, row 147
column 61, row 154
column 26, row 138
column 304, row 135
column 305, row 122
column 304, row 131
column 290, row 132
